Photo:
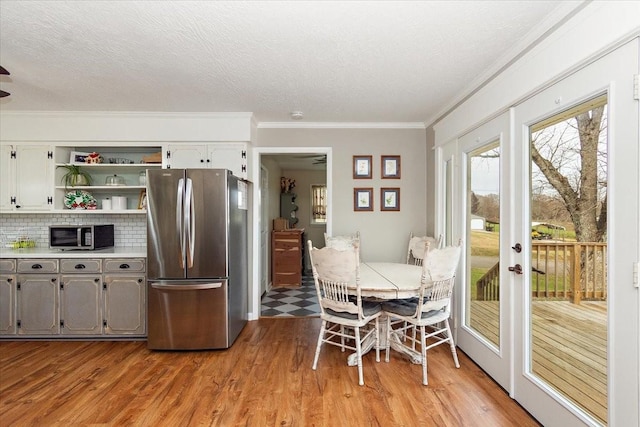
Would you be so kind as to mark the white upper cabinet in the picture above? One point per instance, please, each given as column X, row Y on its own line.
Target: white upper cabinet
column 25, row 178
column 232, row 156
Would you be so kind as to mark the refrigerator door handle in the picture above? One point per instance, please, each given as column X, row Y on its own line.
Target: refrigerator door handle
column 196, row 287
column 180, row 219
column 190, row 225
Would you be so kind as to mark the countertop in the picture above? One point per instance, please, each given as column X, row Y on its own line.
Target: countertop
column 128, row 252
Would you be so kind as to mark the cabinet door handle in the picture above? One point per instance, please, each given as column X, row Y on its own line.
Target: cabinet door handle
column 124, row 266
column 79, row 266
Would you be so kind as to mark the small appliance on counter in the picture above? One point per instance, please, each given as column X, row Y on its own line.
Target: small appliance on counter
column 84, row 237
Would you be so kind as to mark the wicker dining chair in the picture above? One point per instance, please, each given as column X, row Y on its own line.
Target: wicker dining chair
column 430, row 311
column 344, row 314
column 342, row 242
column 416, row 249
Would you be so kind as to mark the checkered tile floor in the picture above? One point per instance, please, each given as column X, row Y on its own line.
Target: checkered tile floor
column 285, row 302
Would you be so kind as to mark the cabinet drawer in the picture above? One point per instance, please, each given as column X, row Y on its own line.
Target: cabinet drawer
column 83, row 266
column 287, row 261
column 37, row 266
column 294, row 236
column 124, row 265
column 287, row 245
column 287, row 279
column 7, row 265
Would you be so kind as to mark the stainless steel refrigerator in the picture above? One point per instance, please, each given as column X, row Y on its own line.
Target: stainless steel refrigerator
column 196, row 258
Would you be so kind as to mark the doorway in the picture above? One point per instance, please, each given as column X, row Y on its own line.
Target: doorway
column 266, row 200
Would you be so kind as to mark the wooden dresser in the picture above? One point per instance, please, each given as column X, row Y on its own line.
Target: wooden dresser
column 286, row 258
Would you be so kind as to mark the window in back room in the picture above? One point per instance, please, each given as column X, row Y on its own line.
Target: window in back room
column 318, row 204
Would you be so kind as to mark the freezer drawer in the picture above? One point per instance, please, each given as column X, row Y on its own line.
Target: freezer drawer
column 188, row 315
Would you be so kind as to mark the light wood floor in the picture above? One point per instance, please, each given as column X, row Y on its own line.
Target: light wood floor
column 265, row 379
column 569, row 347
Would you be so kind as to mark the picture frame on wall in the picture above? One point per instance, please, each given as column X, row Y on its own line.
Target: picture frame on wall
column 362, row 167
column 390, row 167
column 389, row 199
column 363, row 199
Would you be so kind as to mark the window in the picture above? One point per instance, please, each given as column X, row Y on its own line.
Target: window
column 318, row 204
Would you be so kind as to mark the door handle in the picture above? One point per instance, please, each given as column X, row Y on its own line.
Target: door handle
column 194, row 287
column 180, row 219
column 190, row 222
column 516, row 269
column 517, row 247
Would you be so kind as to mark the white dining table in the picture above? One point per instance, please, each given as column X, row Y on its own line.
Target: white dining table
column 387, row 281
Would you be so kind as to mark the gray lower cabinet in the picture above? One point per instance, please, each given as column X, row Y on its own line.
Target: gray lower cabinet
column 8, row 297
column 125, row 301
column 38, row 297
column 81, row 296
column 73, row 297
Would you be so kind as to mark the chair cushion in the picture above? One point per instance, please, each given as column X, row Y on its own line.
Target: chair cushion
column 369, row 308
column 402, row 307
column 406, row 308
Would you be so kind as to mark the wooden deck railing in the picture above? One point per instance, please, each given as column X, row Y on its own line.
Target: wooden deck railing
column 560, row 270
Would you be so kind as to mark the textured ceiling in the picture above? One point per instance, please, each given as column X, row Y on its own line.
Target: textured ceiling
column 357, row 61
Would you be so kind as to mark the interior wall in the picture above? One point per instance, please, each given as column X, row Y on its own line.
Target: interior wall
column 274, row 188
column 304, row 179
column 384, row 234
column 430, row 138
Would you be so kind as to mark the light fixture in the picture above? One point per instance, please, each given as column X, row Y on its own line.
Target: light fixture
column 297, row 115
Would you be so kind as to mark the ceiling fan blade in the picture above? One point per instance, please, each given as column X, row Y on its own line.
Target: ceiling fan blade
column 3, row 94
column 4, row 71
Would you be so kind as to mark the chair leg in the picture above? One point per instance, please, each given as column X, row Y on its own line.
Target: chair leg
column 413, row 341
column 359, row 354
column 452, row 344
column 423, row 344
column 388, row 334
column 320, row 336
column 377, row 339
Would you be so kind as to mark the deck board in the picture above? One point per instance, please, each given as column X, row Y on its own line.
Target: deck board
column 570, row 347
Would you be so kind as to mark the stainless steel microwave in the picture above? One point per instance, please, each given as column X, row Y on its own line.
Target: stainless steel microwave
column 86, row 237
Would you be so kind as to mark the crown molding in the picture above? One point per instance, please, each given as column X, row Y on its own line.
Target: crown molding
column 342, row 125
column 152, row 114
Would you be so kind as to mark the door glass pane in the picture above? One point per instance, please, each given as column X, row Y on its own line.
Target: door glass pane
column 483, row 242
column 568, row 286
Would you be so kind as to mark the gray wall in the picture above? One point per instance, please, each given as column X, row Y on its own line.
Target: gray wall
column 384, row 234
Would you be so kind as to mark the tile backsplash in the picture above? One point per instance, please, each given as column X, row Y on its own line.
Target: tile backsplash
column 129, row 230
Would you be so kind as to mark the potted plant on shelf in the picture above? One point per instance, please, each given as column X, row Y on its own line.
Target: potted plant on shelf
column 75, row 176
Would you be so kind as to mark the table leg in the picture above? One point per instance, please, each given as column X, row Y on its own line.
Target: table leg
column 395, row 344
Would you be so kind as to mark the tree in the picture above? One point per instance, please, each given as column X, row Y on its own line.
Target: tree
column 576, row 169
column 475, row 203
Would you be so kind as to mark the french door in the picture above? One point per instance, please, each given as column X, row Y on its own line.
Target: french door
column 575, row 304
column 531, row 260
column 484, row 327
